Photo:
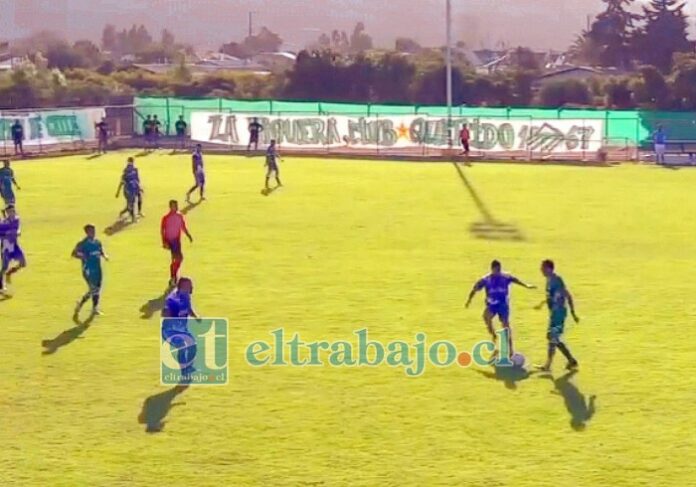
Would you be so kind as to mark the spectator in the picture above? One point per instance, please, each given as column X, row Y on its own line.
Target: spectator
column 464, row 136
column 17, row 131
column 660, row 143
column 180, row 126
column 255, row 128
column 102, row 135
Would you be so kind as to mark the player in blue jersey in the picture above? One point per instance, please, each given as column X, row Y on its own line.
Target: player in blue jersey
column 177, row 309
column 90, row 251
column 272, row 157
column 132, row 190
column 198, row 173
column 497, row 286
column 660, row 144
column 7, row 183
column 558, row 300
column 9, row 247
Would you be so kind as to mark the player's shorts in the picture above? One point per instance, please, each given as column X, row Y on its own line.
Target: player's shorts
column 93, row 278
column 184, row 342
column 200, row 178
column 502, row 311
column 8, row 197
column 15, row 254
column 253, row 138
column 17, row 142
column 273, row 168
column 557, row 319
column 174, row 247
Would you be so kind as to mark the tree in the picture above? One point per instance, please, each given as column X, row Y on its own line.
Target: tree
column 609, row 36
column 619, row 93
column 88, row 52
column 408, row 45
column 651, row 89
column 167, row 39
column 62, row 56
column 393, row 78
column 560, row 93
column 524, row 59
column 684, row 85
column 109, row 40
column 665, row 33
column 265, row 41
column 359, row 40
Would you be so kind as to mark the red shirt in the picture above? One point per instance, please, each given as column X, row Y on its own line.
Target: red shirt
column 464, row 134
column 173, row 223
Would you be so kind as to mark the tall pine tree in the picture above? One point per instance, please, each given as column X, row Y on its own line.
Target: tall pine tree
column 664, row 33
column 608, row 41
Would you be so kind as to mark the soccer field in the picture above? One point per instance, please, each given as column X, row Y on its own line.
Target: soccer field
column 346, row 245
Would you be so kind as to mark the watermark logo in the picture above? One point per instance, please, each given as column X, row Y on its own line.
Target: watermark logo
column 361, row 351
column 194, row 351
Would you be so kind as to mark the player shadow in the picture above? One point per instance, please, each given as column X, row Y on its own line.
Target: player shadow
column 156, row 407
column 94, row 156
column 489, row 228
column 269, row 191
column 68, row 336
column 5, row 297
column 143, row 153
column 580, row 408
column 117, row 226
column 509, row 376
column 190, row 206
column 155, row 305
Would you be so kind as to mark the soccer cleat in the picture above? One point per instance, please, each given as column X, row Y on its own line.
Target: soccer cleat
column 97, row 312
column 572, row 365
column 172, row 282
column 542, row 368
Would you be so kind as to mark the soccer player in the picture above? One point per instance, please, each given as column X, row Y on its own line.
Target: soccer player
column 103, row 135
column 90, row 251
column 558, row 300
column 272, row 157
column 255, row 129
column 147, row 131
column 180, row 126
column 173, row 224
column 7, row 183
column 464, row 137
column 9, row 246
column 198, row 173
column 156, row 131
column 497, row 286
column 17, row 130
column 175, row 331
column 660, row 143
column 132, row 190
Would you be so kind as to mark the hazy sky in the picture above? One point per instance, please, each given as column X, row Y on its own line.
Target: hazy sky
column 208, row 23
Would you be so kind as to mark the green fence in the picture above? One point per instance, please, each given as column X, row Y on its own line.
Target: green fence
column 621, row 126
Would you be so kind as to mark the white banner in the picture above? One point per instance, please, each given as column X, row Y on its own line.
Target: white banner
column 53, row 126
column 400, row 132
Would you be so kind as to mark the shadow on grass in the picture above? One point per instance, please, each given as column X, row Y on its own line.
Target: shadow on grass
column 581, row 410
column 143, row 153
column 190, row 206
column 5, row 297
column 489, row 228
column 155, row 305
column 68, row 336
column 94, row 156
column 156, row 407
column 269, row 191
column 510, row 376
column 117, row 226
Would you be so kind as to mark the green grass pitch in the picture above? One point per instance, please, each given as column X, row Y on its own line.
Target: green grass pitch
column 393, row 247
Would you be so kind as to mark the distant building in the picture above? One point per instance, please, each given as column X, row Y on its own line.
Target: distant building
column 276, row 61
column 582, row 73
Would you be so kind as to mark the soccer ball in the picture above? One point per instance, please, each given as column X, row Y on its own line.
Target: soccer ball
column 518, row 360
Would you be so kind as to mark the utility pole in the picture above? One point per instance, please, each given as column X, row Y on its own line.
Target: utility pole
column 449, row 74
column 251, row 23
